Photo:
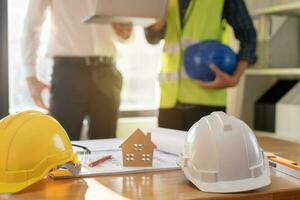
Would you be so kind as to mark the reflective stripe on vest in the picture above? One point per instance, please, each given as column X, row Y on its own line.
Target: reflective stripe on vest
column 170, row 76
column 174, row 48
column 173, row 76
column 186, row 42
column 171, row 48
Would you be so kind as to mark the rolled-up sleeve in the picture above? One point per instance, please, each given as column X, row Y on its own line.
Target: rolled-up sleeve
column 236, row 14
column 35, row 17
column 154, row 37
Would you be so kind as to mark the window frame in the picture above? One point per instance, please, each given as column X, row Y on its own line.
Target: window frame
column 4, row 76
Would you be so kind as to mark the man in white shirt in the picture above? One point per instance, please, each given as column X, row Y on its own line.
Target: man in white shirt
column 85, row 81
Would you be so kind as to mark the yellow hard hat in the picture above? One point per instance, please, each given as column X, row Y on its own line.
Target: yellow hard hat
column 31, row 145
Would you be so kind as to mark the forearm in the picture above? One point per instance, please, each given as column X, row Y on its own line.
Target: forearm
column 29, row 48
column 224, row 80
column 240, row 69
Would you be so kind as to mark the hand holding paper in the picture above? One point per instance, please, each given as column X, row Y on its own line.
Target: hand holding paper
column 158, row 25
column 123, row 30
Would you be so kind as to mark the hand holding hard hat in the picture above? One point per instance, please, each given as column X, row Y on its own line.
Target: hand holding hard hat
column 221, row 155
column 222, row 79
column 212, row 64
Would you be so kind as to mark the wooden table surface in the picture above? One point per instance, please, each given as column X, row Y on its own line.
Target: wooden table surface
column 163, row 185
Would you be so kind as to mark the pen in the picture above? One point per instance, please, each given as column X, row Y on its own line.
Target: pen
column 100, row 160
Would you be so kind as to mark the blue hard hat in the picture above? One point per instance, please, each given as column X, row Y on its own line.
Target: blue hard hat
column 197, row 58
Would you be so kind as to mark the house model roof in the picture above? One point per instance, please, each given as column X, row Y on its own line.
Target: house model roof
column 137, row 137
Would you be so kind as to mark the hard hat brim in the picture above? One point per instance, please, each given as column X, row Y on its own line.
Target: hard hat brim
column 13, row 187
column 235, row 186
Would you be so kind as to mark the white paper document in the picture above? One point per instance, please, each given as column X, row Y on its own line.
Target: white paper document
column 138, row 12
column 170, row 144
column 162, row 161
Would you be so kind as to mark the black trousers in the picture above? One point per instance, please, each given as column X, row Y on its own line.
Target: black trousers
column 183, row 116
column 80, row 90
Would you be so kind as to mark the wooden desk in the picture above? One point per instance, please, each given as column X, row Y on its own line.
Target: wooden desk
column 164, row 185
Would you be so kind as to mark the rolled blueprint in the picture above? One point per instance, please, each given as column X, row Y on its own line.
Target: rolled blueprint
column 168, row 140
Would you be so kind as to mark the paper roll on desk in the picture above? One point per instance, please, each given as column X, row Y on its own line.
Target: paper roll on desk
column 168, row 140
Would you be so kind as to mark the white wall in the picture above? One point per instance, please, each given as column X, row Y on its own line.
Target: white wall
column 256, row 4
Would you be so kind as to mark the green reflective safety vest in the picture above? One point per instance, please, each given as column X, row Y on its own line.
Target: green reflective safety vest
column 203, row 21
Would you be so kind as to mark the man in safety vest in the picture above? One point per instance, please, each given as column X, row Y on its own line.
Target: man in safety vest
column 183, row 100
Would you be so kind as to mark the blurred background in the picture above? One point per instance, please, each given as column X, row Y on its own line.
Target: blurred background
column 277, row 24
column 138, row 63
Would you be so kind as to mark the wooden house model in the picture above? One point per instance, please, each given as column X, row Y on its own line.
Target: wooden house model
column 137, row 150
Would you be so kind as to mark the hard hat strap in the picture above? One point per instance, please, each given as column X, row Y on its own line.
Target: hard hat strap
column 74, row 169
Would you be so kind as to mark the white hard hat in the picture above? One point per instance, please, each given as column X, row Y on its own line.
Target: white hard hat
column 221, row 154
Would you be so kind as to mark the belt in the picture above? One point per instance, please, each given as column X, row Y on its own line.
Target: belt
column 89, row 61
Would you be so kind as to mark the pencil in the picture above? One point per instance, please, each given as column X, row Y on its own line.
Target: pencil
column 100, row 160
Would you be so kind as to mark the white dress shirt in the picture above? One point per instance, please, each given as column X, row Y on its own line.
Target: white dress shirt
column 68, row 35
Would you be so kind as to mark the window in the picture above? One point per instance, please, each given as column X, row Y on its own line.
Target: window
column 129, row 157
column 20, row 98
column 138, row 147
column 138, row 62
column 3, row 60
column 145, row 157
